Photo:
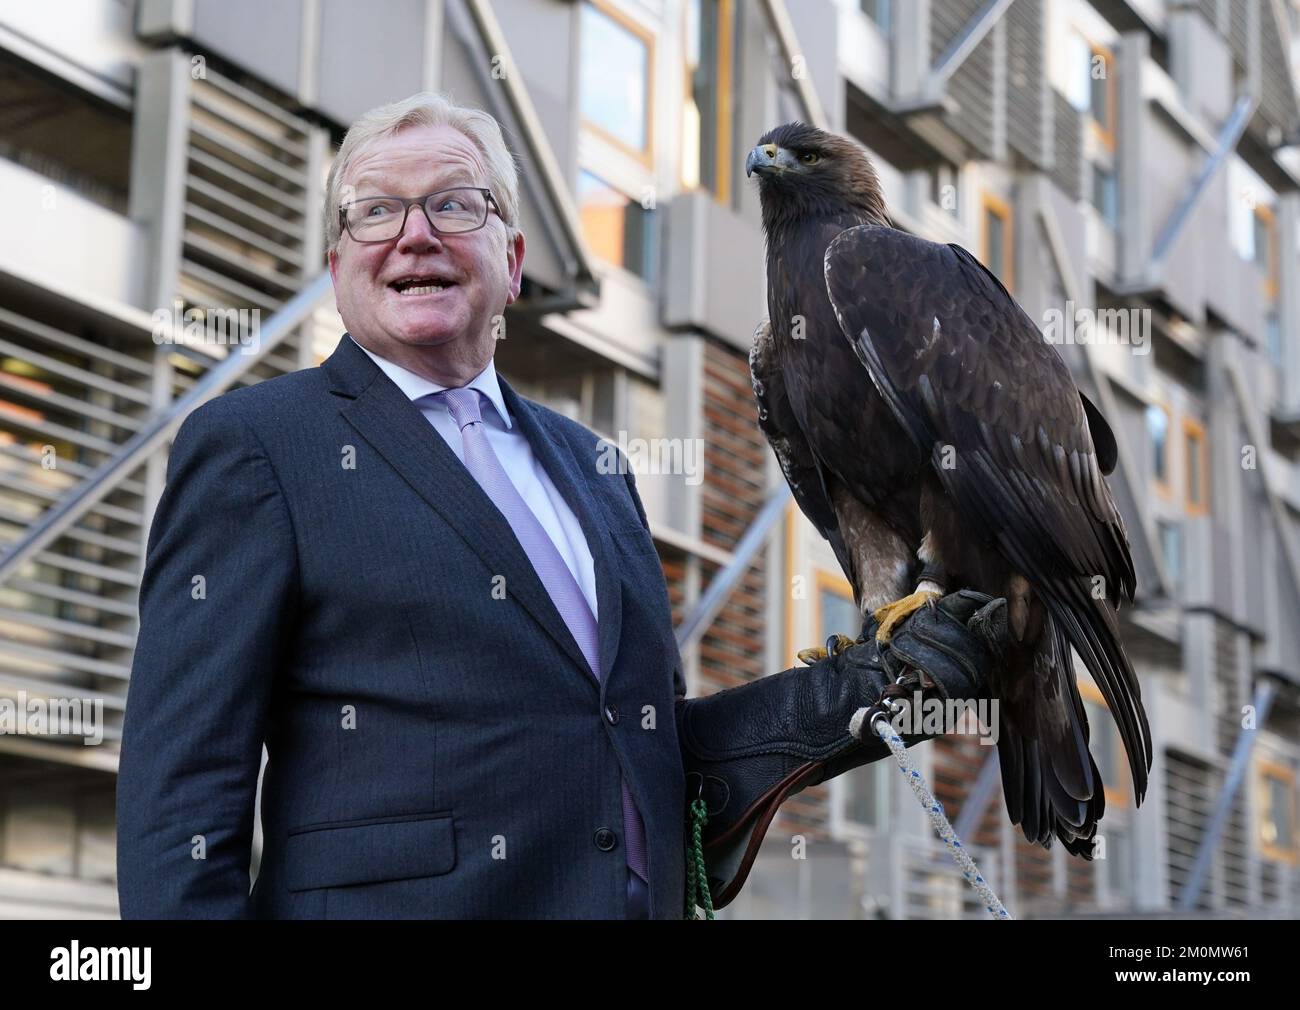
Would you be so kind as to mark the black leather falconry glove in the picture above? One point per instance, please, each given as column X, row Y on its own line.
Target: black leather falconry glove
column 749, row 748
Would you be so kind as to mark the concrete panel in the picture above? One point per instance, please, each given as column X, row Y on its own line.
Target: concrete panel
column 716, row 275
column 369, row 55
column 263, row 38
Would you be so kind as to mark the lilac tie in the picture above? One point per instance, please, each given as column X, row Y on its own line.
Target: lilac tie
column 554, row 574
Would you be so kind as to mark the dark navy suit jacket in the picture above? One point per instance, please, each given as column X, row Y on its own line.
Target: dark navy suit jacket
column 320, row 577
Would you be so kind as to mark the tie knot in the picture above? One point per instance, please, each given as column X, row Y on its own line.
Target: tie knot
column 463, row 404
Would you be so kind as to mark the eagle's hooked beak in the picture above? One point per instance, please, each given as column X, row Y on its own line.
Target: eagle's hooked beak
column 768, row 159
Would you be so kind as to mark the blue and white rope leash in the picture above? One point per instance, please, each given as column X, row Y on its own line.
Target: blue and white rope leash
column 878, row 715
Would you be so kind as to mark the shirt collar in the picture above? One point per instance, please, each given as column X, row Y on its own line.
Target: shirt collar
column 417, row 386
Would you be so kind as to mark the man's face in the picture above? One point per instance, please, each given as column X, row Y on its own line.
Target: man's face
column 447, row 333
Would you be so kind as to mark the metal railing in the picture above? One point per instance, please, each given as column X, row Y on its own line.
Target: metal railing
column 158, row 429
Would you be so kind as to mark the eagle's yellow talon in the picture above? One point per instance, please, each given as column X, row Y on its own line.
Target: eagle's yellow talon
column 834, row 646
column 891, row 615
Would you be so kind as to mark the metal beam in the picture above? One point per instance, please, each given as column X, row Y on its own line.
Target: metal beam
column 778, row 20
column 1229, row 135
column 1262, row 702
column 136, row 450
column 554, row 202
column 972, row 811
column 965, row 42
column 708, row 605
column 1109, row 406
column 1277, row 506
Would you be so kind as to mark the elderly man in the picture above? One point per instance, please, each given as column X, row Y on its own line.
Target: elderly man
column 447, row 624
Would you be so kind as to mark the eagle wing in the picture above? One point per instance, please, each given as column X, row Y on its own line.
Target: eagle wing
column 962, row 365
column 803, row 471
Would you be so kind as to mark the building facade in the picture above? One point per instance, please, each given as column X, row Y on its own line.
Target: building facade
column 1131, row 170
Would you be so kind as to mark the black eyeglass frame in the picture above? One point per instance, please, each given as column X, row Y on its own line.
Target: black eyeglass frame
column 407, row 203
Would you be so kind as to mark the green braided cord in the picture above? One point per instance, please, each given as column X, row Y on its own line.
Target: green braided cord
column 697, row 881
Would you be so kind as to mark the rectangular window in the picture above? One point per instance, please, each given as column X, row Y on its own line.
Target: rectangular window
column 837, row 614
column 1277, row 809
column 1101, row 94
column 1265, row 248
column 1171, row 548
column 706, row 118
column 881, row 12
column 1104, row 743
column 997, row 242
column 864, row 791
column 1105, row 194
column 1198, row 486
column 1158, row 433
column 616, row 227
column 616, row 78
column 1273, row 336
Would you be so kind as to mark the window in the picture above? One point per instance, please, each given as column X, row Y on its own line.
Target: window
column 1106, row 747
column 997, row 239
column 1277, row 810
column 864, row 791
column 943, row 186
column 1101, row 94
column 1105, row 194
column 1171, row 548
column 1119, row 861
column 616, row 78
column 1198, row 483
column 1265, row 248
column 837, row 614
column 881, row 12
column 1158, row 433
column 1091, row 87
column 617, row 228
column 706, row 119
column 1273, row 336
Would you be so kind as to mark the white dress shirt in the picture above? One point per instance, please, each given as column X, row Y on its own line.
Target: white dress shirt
column 516, row 455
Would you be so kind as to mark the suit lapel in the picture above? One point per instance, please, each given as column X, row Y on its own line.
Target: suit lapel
column 397, row 429
column 572, row 476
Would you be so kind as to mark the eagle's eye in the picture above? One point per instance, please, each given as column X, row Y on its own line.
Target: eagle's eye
column 810, row 157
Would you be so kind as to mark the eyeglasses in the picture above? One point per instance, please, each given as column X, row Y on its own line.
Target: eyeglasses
column 448, row 211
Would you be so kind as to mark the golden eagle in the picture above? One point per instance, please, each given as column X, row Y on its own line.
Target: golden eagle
column 935, row 439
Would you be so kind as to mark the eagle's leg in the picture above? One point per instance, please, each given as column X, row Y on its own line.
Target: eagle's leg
column 929, row 589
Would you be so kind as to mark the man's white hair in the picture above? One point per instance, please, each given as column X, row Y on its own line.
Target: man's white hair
column 428, row 108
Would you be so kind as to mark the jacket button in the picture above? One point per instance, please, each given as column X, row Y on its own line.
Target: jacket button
column 605, row 839
column 611, row 714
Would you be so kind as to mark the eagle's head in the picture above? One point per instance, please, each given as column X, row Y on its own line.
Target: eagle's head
column 803, row 171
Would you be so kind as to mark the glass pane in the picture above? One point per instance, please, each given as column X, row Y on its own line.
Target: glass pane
column 864, row 792
column 1119, row 876
column 1158, row 430
column 1171, row 546
column 614, row 78
column 1273, row 336
column 1280, row 817
column 1098, row 71
column 994, row 231
column 1105, row 194
column 881, row 12
column 1194, row 469
column 1079, row 55
column 839, row 615
column 1102, row 743
column 616, row 228
column 704, row 92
